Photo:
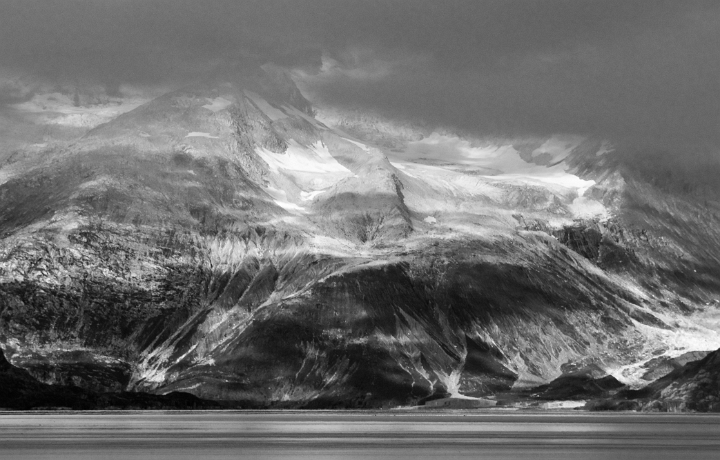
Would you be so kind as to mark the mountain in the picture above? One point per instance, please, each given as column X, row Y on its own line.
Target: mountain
column 220, row 240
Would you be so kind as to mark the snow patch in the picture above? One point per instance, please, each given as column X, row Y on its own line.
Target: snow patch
column 562, row 404
column 312, row 168
column 451, row 382
column 280, row 198
column 204, row 361
column 430, row 220
column 217, row 104
column 404, row 168
column 498, row 162
column 587, row 208
column 191, row 387
column 361, row 145
column 100, row 182
column 557, row 177
column 199, row 134
column 307, row 196
column 290, row 206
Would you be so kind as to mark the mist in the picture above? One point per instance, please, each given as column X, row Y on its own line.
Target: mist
column 646, row 70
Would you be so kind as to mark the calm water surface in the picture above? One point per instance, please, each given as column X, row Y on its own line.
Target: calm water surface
column 343, row 435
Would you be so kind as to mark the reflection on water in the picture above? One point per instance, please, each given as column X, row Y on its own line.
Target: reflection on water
column 337, row 435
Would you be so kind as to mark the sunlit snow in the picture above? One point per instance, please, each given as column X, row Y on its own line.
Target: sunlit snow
column 315, row 159
column 307, row 196
column 464, row 168
column 281, row 199
column 199, row 134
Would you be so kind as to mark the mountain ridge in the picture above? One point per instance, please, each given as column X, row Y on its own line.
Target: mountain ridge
column 221, row 241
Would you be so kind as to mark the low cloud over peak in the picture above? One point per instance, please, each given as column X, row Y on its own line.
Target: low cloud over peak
column 639, row 69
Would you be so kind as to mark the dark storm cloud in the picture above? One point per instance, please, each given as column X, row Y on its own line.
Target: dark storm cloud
column 130, row 40
column 611, row 67
column 637, row 69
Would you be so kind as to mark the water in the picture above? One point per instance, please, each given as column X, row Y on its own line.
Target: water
column 353, row 435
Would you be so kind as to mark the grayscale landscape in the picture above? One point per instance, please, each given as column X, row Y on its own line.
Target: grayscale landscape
column 448, row 218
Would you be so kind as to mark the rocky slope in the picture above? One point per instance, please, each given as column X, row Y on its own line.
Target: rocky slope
column 221, row 241
column 692, row 387
column 23, row 392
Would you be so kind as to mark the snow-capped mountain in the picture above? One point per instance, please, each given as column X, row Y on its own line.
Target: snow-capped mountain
column 230, row 240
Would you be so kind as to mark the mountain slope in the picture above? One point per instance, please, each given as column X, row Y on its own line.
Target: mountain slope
column 219, row 240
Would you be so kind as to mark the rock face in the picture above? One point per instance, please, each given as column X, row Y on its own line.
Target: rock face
column 21, row 391
column 695, row 386
column 578, row 386
column 660, row 367
column 692, row 387
column 219, row 240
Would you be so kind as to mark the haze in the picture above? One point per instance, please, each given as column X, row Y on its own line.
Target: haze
column 621, row 69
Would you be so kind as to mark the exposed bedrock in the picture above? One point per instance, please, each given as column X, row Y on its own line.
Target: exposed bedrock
column 253, row 316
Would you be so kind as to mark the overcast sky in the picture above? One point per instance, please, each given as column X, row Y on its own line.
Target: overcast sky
column 646, row 69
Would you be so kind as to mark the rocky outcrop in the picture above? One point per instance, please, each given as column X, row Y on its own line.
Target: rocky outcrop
column 662, row 366
column 606, row 243
column 578, row 386
column 693, row 387
column 20, row 391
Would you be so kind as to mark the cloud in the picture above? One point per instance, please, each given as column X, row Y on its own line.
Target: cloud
column 645, row 69
column 154, row 40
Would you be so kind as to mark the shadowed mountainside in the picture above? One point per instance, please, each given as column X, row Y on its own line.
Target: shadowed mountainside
column 21, row 391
